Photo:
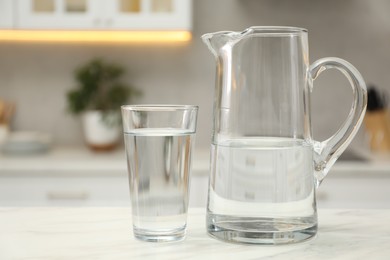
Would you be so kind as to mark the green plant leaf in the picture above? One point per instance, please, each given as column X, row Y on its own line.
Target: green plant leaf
column 99, row 88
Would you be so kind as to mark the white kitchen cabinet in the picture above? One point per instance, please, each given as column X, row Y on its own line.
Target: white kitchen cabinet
column 57, row 14
column 43, row 191
column 78, row 177
column 369, row 192
column 6, row 13
column 72, row 189
column 69, row 176
column 151, row 14
column 103, row 14
column 64, row 191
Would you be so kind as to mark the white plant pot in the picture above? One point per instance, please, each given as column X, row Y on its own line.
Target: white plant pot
column 99, row 134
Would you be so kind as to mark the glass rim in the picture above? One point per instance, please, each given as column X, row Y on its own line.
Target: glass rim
column 261, row 31
column 158, row 107
column 278, row 29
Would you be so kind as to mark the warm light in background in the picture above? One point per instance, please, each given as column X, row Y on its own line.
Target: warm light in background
column 95, row 36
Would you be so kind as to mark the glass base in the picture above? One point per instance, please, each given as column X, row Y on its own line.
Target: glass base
column 266, row 231
column 159, row 236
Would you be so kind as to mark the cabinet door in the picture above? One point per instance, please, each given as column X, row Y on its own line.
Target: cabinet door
column 64, row 191
column 58, row 14
column 80, row 191
column 148, row 14
column 368, row 192
column 6, row 14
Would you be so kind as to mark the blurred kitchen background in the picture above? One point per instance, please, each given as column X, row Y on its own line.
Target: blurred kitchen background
column 37, row 75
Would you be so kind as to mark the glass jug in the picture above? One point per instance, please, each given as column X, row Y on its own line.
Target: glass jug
column 265, row 166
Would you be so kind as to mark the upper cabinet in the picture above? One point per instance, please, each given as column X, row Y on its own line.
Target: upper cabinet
column 149, row 14
column 57, row 14
column 6, row 14
column 96, row 14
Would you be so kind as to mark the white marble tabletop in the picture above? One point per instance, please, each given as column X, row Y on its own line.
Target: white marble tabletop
column 105, row 233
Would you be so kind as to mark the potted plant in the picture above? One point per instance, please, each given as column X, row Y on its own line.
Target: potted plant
column 97, row 99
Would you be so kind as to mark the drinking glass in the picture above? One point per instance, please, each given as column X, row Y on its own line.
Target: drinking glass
column 158, row 144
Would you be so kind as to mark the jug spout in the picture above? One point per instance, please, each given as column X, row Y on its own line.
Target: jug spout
column 216, row 41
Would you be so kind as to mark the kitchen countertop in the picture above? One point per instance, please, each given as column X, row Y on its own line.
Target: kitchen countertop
column 105, row 233
column 81, row 161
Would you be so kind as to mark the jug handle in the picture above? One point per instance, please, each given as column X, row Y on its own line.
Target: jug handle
column 327, row 152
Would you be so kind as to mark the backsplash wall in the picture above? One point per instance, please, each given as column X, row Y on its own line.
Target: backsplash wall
column 38, row 76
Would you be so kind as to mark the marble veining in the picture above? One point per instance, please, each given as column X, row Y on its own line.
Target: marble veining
column 105, row 233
